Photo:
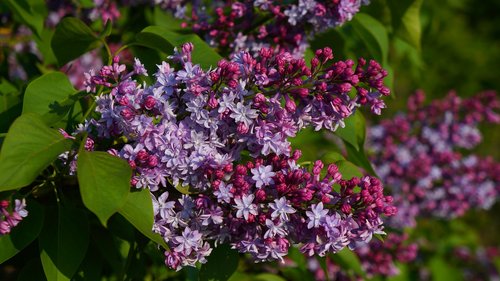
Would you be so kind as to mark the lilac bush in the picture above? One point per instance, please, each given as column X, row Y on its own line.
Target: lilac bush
column 419, row 155
column 251, row 25
column 192, row 129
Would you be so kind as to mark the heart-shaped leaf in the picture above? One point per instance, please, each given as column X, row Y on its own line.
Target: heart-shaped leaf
column 30, row 146
column 104, row 182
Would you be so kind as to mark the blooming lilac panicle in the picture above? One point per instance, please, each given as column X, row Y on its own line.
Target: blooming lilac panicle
column 419, row 156
column 190, row 128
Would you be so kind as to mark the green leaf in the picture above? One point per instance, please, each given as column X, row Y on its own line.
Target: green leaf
column 10, row 104
column 359, row 158
column 166, row 19
column 23, row 234
column 138, row 210
column 104, row 182
column 26, row 11
column 72, row 39
column 332, row 157
column 107, row 29
column 50, row 96
column 164, row 40
column 374, row 35
column 221, row 264
column 63, row 242
column 405, row 16
column 43, row 45
column 30, row 146
column 348, row 169
column 347, row 260
column 354, row 131
column 411, row 29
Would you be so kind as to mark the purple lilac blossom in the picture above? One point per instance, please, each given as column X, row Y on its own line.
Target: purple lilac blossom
column 189, row 129
column 419, row 155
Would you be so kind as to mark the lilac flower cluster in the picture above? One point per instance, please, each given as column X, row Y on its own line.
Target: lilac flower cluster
column 378, row 257
column 477, row 264
column 266, row 206
column 419, row 156
column 191, row 127
column 101, row 9
column 251, row 25
column 192, row 119
column 9, row 220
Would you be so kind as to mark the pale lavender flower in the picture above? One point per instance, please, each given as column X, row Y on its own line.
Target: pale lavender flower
column 263, row 175
column 316, row 215
column 245, row 206
column 281, row 208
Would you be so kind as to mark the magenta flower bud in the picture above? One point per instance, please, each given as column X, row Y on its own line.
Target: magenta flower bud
column 232, row 84
column 142, row 156
column 260, row 195
column 228, row 168
column 4, row 203
column 152, row 161
column 290, row 105
column 212, row 102
column 150, row 102
column 127, row 113
column 346, row 208
column 132, row 164
column 242, row 128
column 187, row 48
column 259, row 98
column 241, row 169
column 133, row 181
column 214, row 76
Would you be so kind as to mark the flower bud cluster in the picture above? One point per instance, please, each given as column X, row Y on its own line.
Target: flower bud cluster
column 478, row 263
column 191, row 128
column 10, row 219
column 191, row 120
column 266, row 206
column 419, row 156
column 248, row 25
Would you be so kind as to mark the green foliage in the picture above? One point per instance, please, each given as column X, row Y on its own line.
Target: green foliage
column 220, row 265
column 138, row 210
column 63, row 242
column 373, row 34
column 51, row 96
column 164, row 40
column 72, row 39
column 28, row 14
column 104, row 182
column 29, row 148
column 24, row 233
column 10, row 104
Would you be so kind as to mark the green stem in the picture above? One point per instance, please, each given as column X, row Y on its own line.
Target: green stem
column 108, row 50
column 121, row 49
